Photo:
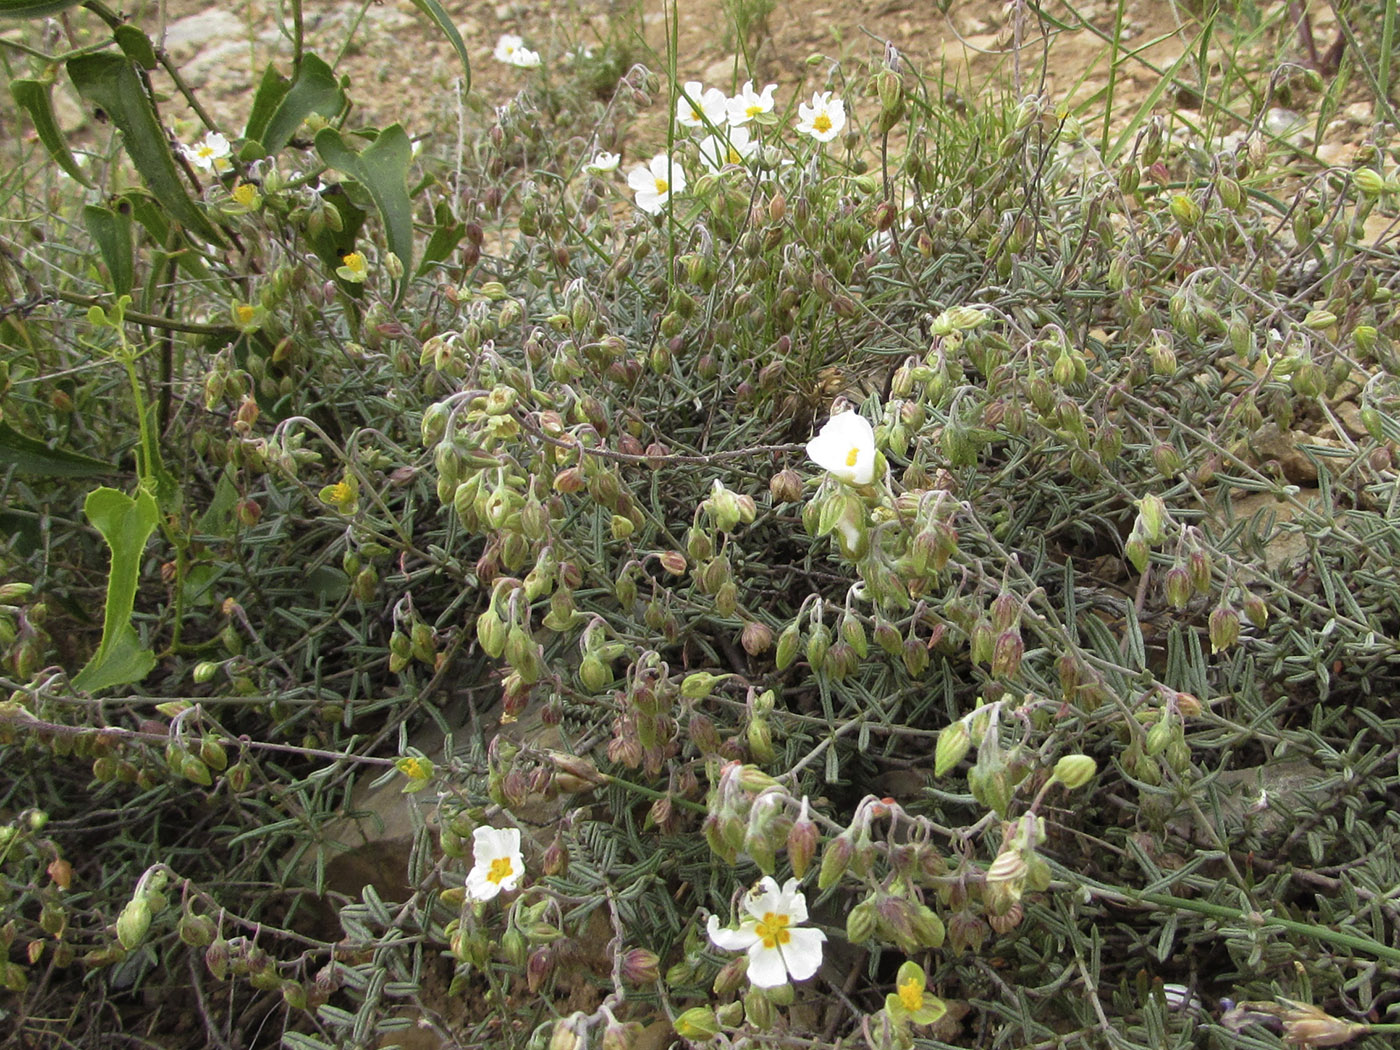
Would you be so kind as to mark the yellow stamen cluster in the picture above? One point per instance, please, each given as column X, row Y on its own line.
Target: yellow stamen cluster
column 501, row 869
column 772, row 929
column 911, row 995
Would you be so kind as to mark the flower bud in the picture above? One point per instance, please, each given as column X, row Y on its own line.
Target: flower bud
column 953, row 743
column 1185, row 210
column 1074, row 771
column 1007, row 653
column 1369, row 182
column 756, row 638
column 1178, row 587
column 699, row 1022
column 133, row 922
column 836, row 858
column 861, row 922
column 802, row 841
column 786, row 486
column 788, row 643
column 1224, row 628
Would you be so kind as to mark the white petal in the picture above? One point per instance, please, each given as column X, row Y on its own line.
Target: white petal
column 766, row 969
column 479, row 887
column 802, row 953
column 764, row 898
column 795, row 903
column 640, row 178
column 731, row 940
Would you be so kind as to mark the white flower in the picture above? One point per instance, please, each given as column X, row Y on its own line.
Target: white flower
column 734, row 147
column 655, row 182
column 778, row 947
column 497, row 864
column 699, row 106
column 211, row 154
column 511, row 50
column 603, row 163
column 846, row 447
column 824, row 118
column 749, row 103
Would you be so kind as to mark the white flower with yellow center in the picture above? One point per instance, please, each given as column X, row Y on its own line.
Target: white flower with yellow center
column 602, row 163
column 210, row 154
column 511, row 50
column 700, row 107
column 496, row 862
column 654, row 183
column 749, row 103
column 824, row 118
column 846, row 448
column 779, row 946
column 733, row 147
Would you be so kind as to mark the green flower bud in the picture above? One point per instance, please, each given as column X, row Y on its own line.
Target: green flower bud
column 1074, row 771
column 1369, row 182
column 788, row 643
column 1224, row 628
column 697, row 1023
column 1185, row 210
column 861, row 922
column 953, row 744
column 836, row 858
column 133, row 923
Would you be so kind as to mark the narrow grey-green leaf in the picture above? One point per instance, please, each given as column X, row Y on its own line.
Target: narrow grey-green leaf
column 110, row 83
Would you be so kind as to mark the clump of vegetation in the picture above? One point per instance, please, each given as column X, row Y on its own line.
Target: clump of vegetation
column 886, row 568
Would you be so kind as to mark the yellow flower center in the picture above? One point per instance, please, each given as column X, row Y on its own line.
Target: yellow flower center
column 354, row 261
column 696, row 115
column 734, row 157
column 245, row 313
column 341, row 493
column 852, row 456
column 500, row 870
column 662, row 186
column 911, row 995
column 753, row 110
column 822, row 123
column 204, row 151
column 772, row 929
column 245, row 194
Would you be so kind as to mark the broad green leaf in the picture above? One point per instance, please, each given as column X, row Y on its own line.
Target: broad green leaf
column 33, row 97
column 29, row 456
column 125, row 524
column 110, row 83
column 435, row 11
column 111, row 230
column 314, row 90
column 136, row 45
column 382, row 168
column 271, row 91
